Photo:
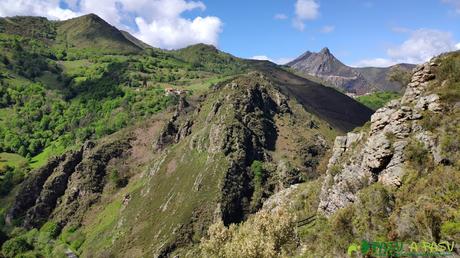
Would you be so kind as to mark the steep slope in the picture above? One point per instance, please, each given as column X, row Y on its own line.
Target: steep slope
column 381, row 157
column 399, row 177
column 92, row 32
column 396, row 180
column 341, row 111
column 113, row 167
column 135, row 40
column 378, row 76
column 354, row 80
column 216, row 158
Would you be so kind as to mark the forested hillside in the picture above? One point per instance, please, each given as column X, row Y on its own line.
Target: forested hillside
column 104, row 140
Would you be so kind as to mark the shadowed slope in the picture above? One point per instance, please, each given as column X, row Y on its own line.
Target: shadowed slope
column 341, row 111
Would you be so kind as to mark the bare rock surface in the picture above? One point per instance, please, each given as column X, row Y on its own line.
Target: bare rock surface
column 360, row 159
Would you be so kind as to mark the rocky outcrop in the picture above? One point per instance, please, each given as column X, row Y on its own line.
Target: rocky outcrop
column 53, row 188
column 66, row 186
column 31, row 189
column 247, row 138
column 360, row 159
column 175, row 130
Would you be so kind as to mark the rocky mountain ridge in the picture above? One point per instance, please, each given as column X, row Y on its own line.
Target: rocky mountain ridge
column 328, row 68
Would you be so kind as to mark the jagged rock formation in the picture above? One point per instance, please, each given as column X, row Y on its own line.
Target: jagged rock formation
column 377, row 154
column 65, row 188
column 173, row 132
column 327, row 67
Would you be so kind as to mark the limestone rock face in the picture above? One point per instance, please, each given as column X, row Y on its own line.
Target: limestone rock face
column 378, row 155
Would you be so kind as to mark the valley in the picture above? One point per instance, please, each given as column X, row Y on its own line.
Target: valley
column 112, row 148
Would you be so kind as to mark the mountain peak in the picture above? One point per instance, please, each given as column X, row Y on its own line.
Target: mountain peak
column 320, row 63
column 92, row 15
column 325, row 51
column 92, row 18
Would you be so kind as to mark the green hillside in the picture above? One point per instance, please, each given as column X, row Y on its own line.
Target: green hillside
column 209, row 58
column 377, row 100
column 93, row 34
column 95, row 155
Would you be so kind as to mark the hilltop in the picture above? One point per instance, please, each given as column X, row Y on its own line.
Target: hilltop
column 92, row 32
column 246, row 159
column 88, row 32
column 98, row 160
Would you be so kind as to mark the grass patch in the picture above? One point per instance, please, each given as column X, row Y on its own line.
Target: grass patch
column 42, row 158
column 378, row 99
column 418, row 155
column 11, row 160
column 206, row 84
column 104, row 221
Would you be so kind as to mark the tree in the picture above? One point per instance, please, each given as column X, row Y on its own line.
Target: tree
column 265, row 234
column 15, row 246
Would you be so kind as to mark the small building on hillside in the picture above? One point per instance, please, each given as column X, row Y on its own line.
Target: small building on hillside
column 177, row 92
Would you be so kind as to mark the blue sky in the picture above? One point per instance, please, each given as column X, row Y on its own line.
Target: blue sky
column 361, row 29
column 358, row 32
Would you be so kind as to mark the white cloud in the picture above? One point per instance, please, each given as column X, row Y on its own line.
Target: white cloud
column 180, row 32
column 280, row 16
column 261, row 57
column 327, row 29
column 422, row 45
column 48, row 8
column 298, row 24
column 305, row 10
column 280, row 61
column 159, row 22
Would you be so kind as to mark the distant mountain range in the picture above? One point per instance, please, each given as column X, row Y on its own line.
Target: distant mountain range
column 97, row 159
column 328, row 68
